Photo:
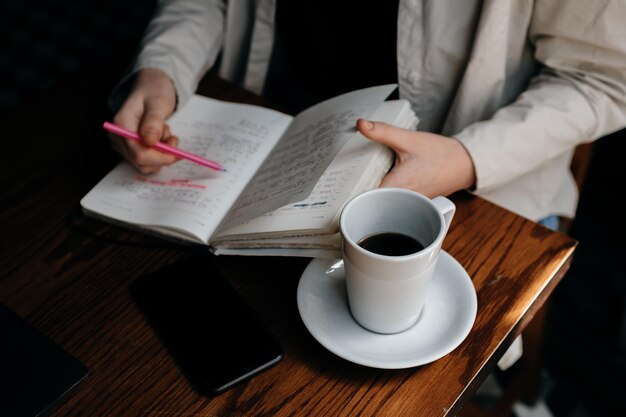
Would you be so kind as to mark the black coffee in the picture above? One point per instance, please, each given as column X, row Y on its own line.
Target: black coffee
column 390, row 244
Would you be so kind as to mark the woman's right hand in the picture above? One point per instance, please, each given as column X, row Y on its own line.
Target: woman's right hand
column 151, row 100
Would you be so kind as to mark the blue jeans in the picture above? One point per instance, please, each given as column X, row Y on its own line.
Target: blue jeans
column 551, row 222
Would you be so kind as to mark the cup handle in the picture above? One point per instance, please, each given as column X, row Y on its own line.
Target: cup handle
column 445, row 207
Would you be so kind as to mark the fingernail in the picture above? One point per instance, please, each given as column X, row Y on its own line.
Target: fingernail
column 369, row 125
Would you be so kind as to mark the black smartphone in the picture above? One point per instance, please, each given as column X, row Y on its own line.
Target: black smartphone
column 36, row 374
column 209, row 330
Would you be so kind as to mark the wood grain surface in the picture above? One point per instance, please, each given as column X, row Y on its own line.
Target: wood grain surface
column 69, row 276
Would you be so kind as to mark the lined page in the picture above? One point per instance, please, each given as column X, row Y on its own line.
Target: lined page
column 187, row 197
column 305, row 151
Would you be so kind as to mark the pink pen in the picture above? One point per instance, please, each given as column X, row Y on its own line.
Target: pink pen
column 118, row 130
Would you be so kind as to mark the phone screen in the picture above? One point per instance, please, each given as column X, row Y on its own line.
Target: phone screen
column 209, row 330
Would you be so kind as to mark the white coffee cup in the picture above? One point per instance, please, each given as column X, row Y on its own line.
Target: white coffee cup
column 386, row 293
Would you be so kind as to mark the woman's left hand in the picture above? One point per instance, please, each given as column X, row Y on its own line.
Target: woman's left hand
column 425, row 162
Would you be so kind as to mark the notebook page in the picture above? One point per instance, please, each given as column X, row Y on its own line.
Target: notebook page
column 304, row 152
column 187, row 197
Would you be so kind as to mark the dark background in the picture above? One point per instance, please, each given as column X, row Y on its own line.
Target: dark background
column 50, row 48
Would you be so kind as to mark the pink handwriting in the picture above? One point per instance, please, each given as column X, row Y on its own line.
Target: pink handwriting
column 171, row 183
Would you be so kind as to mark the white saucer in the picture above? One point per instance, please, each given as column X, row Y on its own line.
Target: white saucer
column 445, row 321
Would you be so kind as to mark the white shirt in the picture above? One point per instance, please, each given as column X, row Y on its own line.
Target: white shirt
column 519, row 82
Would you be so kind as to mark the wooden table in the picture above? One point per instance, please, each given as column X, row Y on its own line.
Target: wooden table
column 69, row 276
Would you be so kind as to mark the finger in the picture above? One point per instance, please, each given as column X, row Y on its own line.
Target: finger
column 129, row 115
column 168, row 137
column 144, row 157
column 148, row 169
column 172, row 141
column 166, row 132
column 121, row 146
column 153, row 121
column 394, row 137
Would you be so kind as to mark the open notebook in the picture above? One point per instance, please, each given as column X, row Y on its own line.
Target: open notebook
column 287, row 177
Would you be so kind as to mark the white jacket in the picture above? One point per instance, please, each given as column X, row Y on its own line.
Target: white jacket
column 518, row 82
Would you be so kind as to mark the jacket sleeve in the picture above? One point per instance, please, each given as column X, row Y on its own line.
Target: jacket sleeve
column 183, row 39
column 578, row 96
